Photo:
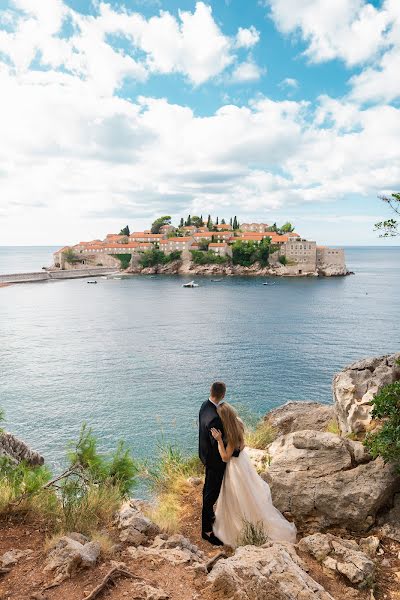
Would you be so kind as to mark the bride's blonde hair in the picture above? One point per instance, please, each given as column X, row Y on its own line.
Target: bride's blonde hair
column 233, row 425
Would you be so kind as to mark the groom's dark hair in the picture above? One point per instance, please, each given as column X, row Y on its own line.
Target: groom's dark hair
column 218, row 390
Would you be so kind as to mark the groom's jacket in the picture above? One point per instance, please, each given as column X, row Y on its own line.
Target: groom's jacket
column 208, row 447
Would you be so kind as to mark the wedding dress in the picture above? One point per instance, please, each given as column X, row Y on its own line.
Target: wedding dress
column 245, row 497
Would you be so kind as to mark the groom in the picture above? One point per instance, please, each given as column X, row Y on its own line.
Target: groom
column 211, row 459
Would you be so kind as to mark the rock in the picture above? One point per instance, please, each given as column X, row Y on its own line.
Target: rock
column 175, row 549
column 390, row 521
column 69, row 555
column 12, row 557
column 17, row 451
column 271, row 572
column 195, row 481
column 135, row 527
column 259, row 458
column 296, row 416
column 149, row 592
column 369, row 545
column 340, row 555
column 355, row 387
column 315, row 477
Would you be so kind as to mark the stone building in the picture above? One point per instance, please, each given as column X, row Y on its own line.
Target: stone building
column 220, row 248
column 256, row 227
column 176, row 243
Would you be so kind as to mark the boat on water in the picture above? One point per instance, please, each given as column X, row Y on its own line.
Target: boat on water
column 216, row 280
column 91, row 282
column 191, row 284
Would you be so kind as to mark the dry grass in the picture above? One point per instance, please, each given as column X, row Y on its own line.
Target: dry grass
column 170, row 483
column 106, row 543
column 252, row 534
column 261, row 436
column 94, row 510
column 333, row 427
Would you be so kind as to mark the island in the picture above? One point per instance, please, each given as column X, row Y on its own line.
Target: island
column 205, row 247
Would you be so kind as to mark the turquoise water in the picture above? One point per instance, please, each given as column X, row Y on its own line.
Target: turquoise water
column 135, row 357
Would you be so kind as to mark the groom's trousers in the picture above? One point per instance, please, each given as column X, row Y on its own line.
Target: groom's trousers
column 212, row 487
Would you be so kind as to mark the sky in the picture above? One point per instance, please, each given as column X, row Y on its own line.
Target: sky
column 114, row 113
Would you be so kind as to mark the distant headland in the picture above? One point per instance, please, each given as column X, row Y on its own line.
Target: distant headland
column 205, row 247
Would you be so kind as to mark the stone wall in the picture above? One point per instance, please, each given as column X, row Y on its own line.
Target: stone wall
column 55, row 274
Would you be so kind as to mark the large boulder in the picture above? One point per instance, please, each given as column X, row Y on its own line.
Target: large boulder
column 296, row 416
column 135, row 528
column 355, row 387
column 341, row 556
column 271, row 572
column 323, row 480
column 175, row 549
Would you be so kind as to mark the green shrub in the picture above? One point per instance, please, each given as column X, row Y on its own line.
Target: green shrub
column 283, row 260
column 207, row 258
column 385, row 441
column 260, row 436
column 70, row 256
column 154, row 257
column 124, row 259
column 246, row 253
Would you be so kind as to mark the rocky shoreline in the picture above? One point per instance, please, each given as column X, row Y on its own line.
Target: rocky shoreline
column 346, row 506
column 179, row 267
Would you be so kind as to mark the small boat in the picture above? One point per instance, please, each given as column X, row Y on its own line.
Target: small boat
column 91, row 282
column 216, row 280
column 191, row 284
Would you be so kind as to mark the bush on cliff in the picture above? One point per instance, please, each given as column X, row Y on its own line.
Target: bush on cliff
column 168, row 479
column 207, row 258
column 385, row 440
column 246, row 253
column 154, row 257
column 83, row 498
column 124, row 259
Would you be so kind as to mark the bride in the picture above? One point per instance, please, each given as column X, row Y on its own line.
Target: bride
column 245, row 497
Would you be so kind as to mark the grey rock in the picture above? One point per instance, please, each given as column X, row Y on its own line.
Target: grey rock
column 369, row 545
column 135, row 527
column 195, row 481
column 343, row 556
column 355, row 387
column 12, row 557
column 315, row 477
column 17, row 450
column 272, row 572
column 175, row 549
column 390, row 521
column 296, row 416
column 69, row 555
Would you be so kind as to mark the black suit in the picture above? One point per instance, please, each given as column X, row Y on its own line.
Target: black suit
column 211, row 459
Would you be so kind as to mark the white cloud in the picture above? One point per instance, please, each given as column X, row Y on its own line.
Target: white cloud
column 246, row 71
column 289, row 83
column 352, row 30
column 246, row 38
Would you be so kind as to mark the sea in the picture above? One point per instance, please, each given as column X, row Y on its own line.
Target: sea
column 134, row 357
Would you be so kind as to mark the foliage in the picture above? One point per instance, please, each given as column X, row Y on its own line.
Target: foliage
column 197, row 221
column 70, row 256
column 203, row 244
column 235, row 223
column 286, row 228
column 246, row 253
column 252, row 534
column 124, row 259
column 125, row 231
column 158, row 223
column 2, row 418
column 260, row 436
column 385, row 441
column 389, row 228
column 182, row 223
column 209, row 223
column 154, row 257
column 207, row 258
column 283, row 260
column 168, row 479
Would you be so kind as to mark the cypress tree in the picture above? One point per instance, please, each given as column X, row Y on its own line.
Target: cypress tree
column 209, row 222
column 230, row 222
column 216, row 222
column 182, row 223
column 223, row 222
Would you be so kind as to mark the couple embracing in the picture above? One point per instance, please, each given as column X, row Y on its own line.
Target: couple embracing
column 231, row 481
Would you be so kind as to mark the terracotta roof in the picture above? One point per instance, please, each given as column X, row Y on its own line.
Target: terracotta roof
column 224, row 226
column 176, row 239
column 204, row 234
column 217, row 245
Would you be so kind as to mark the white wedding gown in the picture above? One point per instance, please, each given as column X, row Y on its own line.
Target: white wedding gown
column 245, row 497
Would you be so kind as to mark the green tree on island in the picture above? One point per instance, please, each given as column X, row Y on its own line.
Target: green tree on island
column 235, row 223
column 158, row 223
column 197, row 221
column 182, row 223
column 390, row 227
column 125, row 231
column 209, row 222
column 188, row 221
column 287, row 228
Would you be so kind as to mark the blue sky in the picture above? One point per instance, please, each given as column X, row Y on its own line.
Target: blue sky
column 116, row 112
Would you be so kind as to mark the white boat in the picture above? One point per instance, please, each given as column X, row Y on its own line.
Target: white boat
column 191, row 284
